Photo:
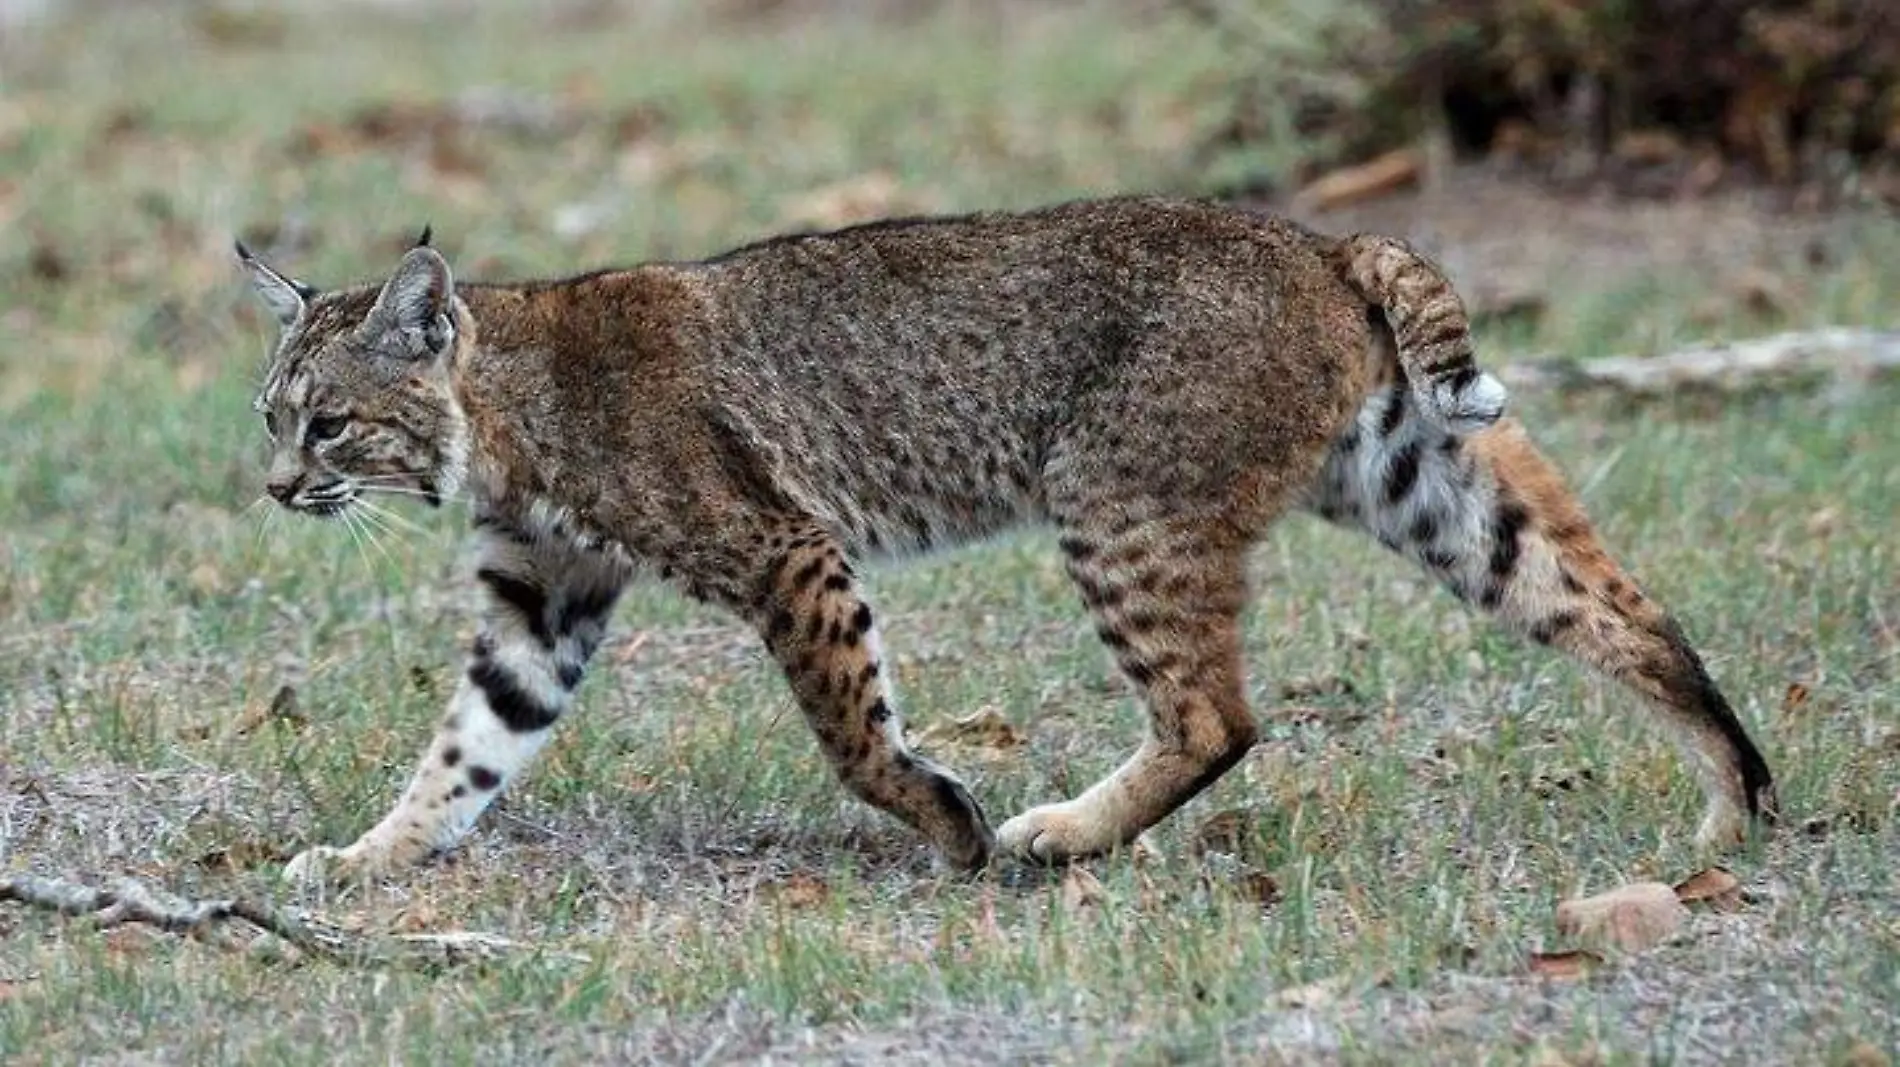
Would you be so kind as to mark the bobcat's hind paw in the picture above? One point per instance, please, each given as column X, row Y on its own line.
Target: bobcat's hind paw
column 1054, row 834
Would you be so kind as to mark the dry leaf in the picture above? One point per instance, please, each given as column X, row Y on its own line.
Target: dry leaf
column 1258, row 886
column 1714, row 886
column 1864, row 1053
column 1325, row 685
column 417, row 918
column 241, row 855
column 801, row 890
column 632, row 648
column 1226, row 831
column 282, row 709
column 1313, row 994
column 1631, row 917
column 1565, row 966
column 1796, row 696
column 984, row 728
column 1081, row 890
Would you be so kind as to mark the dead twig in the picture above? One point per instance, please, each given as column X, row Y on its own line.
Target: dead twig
column 1722, row 368
column 129, row 901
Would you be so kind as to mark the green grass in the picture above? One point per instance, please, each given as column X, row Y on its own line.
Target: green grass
column 699, row 882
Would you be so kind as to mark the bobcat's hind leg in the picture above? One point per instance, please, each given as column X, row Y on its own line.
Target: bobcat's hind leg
column 1492, row 519
column 1166, row 599
column 825, row 637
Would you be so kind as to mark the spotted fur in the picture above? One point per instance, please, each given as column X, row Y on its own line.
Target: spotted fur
column 1156, row 379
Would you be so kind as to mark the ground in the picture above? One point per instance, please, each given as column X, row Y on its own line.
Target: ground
column 194, row 687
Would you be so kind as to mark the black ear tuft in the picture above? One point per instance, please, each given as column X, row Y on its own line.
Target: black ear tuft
column 427, row 232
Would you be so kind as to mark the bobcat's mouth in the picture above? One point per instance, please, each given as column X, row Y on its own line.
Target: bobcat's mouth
column 324, row 501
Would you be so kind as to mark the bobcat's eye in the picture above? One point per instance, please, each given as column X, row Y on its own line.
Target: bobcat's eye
column 270, row 424
column 325, row 427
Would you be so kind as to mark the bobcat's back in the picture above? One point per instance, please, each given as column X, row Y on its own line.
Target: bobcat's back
column 925, row 381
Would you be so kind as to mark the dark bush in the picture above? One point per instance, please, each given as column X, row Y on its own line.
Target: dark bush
column 1792, row 90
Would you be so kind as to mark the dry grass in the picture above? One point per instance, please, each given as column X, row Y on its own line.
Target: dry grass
column 1364, row 888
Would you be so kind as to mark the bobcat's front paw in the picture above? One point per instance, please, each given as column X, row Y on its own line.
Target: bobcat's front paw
column 314, row 866
column 324, row 865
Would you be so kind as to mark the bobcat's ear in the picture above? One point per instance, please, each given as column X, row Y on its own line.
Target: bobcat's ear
column 286, row 297
column 416, row 305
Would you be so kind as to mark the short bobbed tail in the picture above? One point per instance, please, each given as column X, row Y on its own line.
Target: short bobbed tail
column 1429, row 324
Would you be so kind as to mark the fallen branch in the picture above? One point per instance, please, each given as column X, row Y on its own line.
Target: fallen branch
column 1723, row 368
column 129, row 901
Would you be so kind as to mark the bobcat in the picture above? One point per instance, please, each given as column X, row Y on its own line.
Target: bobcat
column 1158, row 379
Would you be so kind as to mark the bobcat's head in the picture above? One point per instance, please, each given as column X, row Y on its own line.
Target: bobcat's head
column 358, row 397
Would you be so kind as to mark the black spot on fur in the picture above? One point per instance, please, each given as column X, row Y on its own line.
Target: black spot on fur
column 808, row 574
column 1544, row 631
column 1112, row 638
column 1438, row 559
column 1394, row 413
column 1075, row 548
column 1505, row 527
column 837, row 582
column 1402, row 474
column 778, row 626
column 529, row 600
column 880, row 711
column 517, row 708
column 1570, row 582
column 1425, row 529
column 451, row 756
column 569, row 674
column 482, row 778
column 584, row 606
column 861, row 618
column 1140, row 672
column 459, row 791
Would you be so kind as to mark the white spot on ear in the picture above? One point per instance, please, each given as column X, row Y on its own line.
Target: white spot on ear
column 283, row 296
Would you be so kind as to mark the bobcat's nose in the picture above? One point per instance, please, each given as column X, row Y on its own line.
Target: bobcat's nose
column 283, row 486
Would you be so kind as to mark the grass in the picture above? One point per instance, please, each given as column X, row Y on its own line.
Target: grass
column 1426, row 790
